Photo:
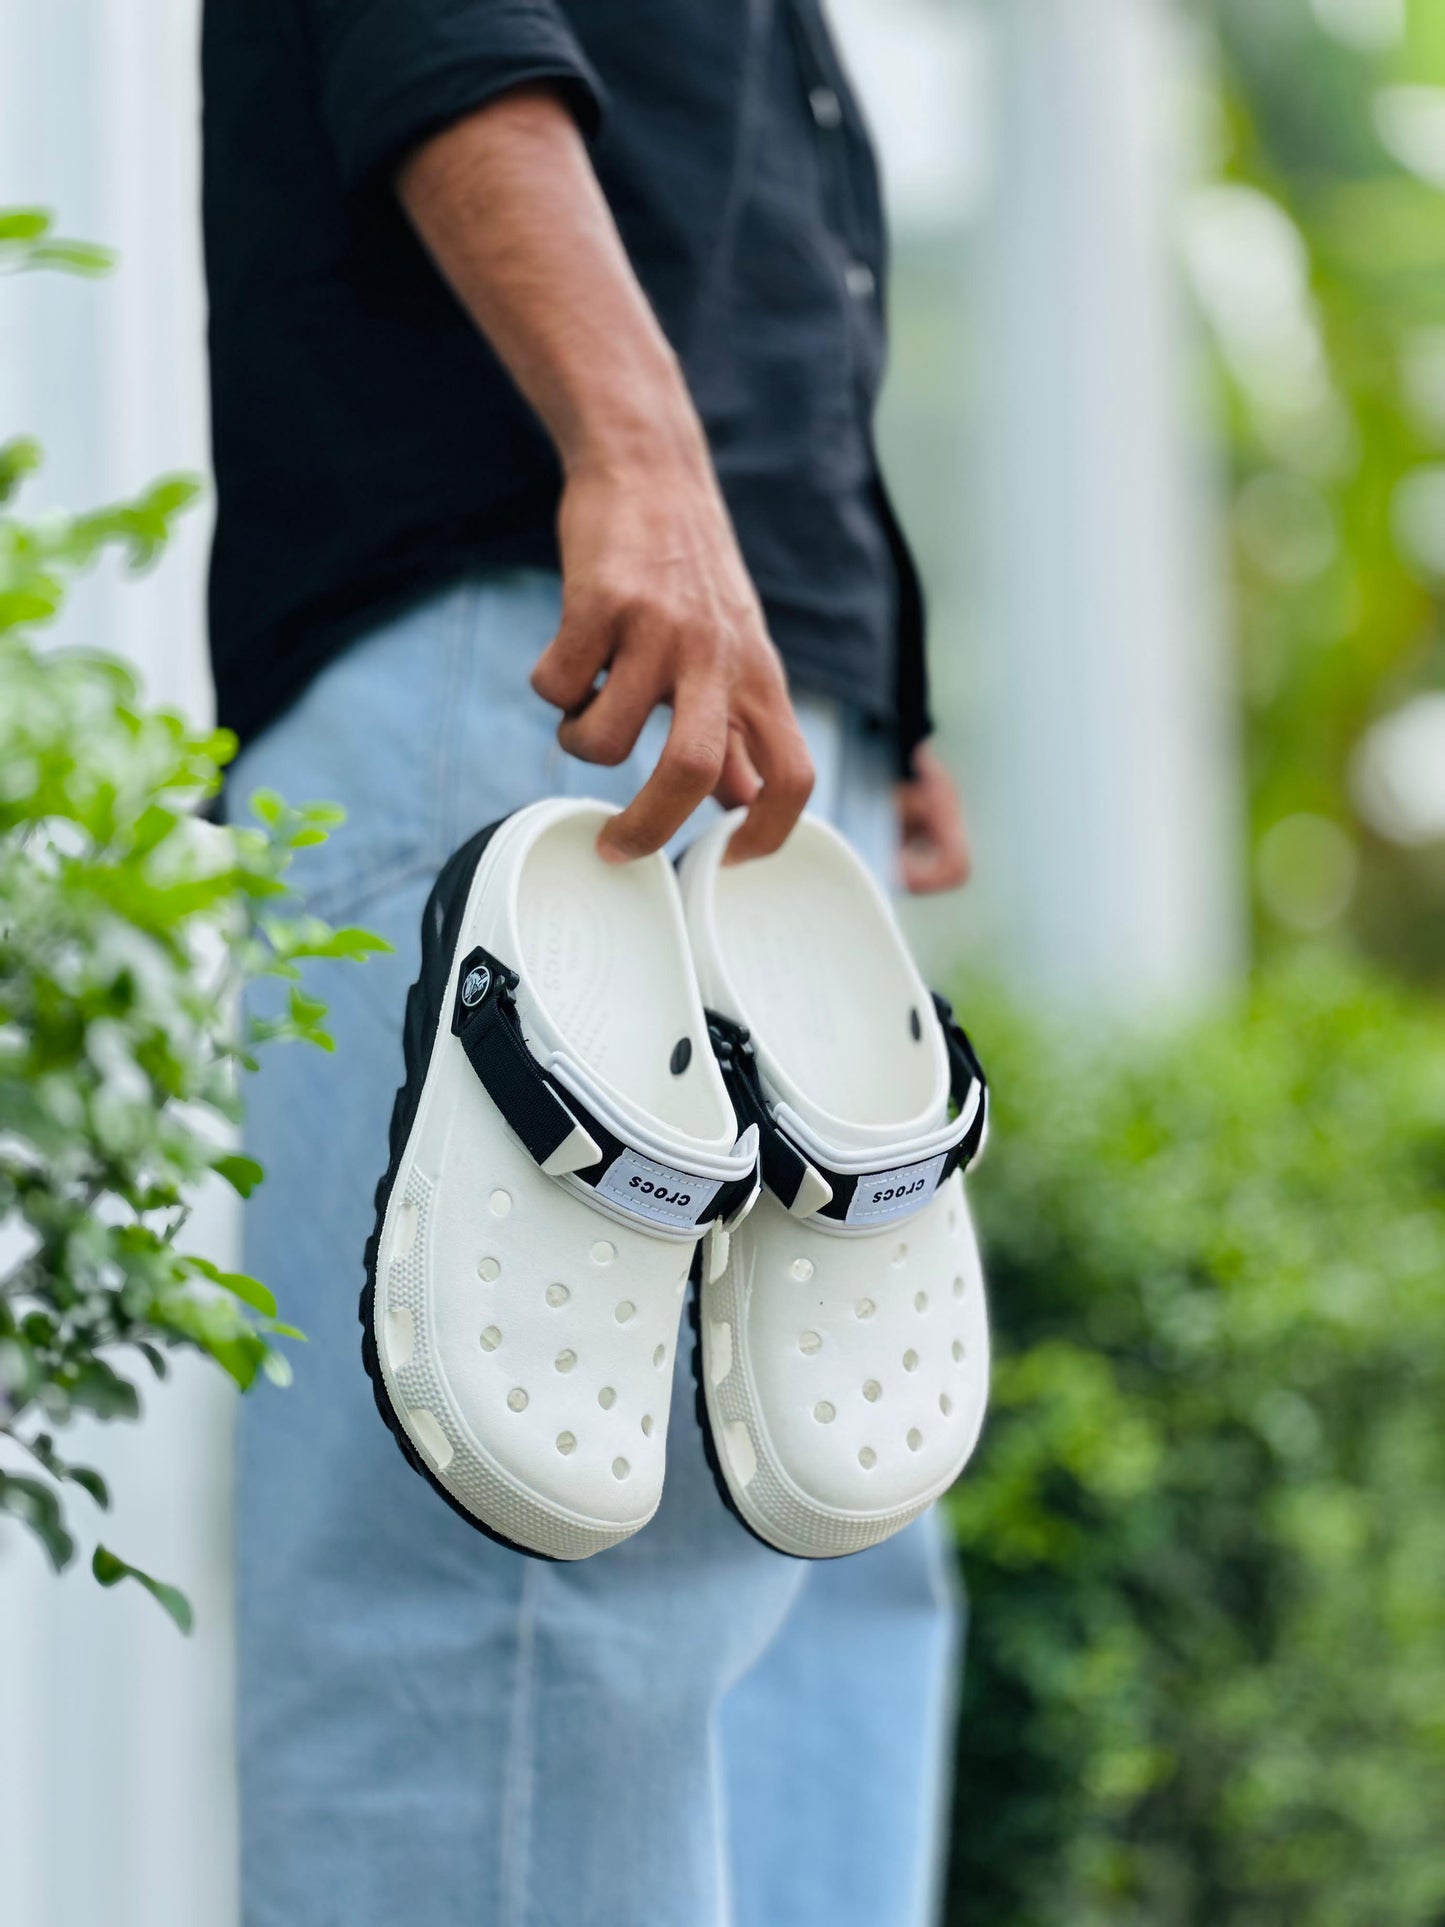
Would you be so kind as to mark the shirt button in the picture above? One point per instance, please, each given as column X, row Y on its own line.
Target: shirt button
column 858, row 279
column 826, row 106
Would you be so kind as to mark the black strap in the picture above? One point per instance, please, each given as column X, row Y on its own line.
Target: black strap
column 486, row 1023
column 964, row 1071
column 784, row 1166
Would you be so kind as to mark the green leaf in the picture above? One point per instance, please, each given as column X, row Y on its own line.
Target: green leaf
column 74, row 257
column 109, row 1569
column 95, row 1387
column 243, row 1174
column 249, row 1290
column 269, row 807
column 36, row 1506
column 81, row 1475
column 24, row 223
column 17, row 460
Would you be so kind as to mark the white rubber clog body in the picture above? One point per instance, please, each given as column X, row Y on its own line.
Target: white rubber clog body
column 522, row 1330
column 844, row 1367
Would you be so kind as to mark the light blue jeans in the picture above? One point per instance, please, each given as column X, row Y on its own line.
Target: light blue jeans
column 687, row 1731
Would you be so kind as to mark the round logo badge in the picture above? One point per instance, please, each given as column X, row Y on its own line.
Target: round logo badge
column 478, row 983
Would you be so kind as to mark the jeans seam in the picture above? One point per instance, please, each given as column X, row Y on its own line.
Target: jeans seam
column 519, row 1775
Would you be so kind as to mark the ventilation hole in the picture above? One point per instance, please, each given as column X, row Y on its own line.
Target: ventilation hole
column 810, row 1342
column 400, row 1338
column 802, row 1269
column 824, row 1413
column 900, row 1254
column 945, row 1403
column 958, row 1286
column 739, row 1449
column 566, row 1443
column 625, row 1311
column 603, row 1252
column 564, row 1361
column 867, row 1458
column 491, row 1338
column 920, row 1301
column 872, row 1390
column 647, row 1423
column 659, row 1356
column 607, row 1398
column 403, row 1232
column 427, row 1431
column 500, row 1203
column 864, row 1308
column 557, row 1295
column 910, row 1361
column 958, row 1351
column 915, row 1025
column 517, row 1399
column 488, row 1270
column 620, row 1468
column 681, row 1056
column 915, row 1439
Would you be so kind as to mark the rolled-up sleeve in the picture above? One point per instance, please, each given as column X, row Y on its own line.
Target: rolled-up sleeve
column 394, row 71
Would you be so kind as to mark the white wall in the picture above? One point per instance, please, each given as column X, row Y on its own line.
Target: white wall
column 115, row 1793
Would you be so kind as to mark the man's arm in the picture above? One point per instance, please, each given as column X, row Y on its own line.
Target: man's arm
column 655, row 591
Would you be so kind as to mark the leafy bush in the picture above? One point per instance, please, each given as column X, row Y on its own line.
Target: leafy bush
column 1205, row 1537
column 127, row 928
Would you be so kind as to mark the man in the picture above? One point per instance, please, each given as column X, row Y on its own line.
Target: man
column 545, row 343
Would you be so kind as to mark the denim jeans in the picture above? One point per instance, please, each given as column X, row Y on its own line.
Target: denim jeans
column 687, row 1731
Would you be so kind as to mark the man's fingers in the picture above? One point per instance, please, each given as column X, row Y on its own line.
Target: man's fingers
column 606, row 728
column 781, row 758
column 929, row 867
column 935, row 853
column 688, row 770
column 567, row 669
column 739, row 782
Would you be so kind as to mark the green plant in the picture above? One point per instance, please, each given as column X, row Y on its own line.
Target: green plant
column 1203, row 1537
column 1336, row 440
column 128, row 927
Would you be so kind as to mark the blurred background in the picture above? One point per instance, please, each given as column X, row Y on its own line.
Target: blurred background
column 1167, row 423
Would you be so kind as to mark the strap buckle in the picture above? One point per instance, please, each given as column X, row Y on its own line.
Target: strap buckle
column 808, row 1187
column 564, row 1134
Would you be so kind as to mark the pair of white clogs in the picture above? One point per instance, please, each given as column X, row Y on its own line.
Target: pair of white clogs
column 618, row 1078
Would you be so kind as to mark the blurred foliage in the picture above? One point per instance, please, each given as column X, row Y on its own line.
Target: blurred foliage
column 1340, row 552
column 1205, row 1539
column 127, row 929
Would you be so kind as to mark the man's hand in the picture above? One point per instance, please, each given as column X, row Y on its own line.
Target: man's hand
column 655, row 592
column 930, row 824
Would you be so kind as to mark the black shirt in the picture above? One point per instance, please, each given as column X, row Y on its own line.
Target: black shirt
column 369, row 446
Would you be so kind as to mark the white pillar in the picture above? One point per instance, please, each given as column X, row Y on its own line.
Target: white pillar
column 1108, row 824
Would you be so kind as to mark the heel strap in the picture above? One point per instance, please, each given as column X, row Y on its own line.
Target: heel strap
column 809, row 1186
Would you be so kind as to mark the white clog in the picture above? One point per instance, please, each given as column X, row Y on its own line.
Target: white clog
column 844, row 1349
column 562, row 1140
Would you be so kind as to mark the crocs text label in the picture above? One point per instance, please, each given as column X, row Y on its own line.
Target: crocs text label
column 658, row 1192
column 882, row 1195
